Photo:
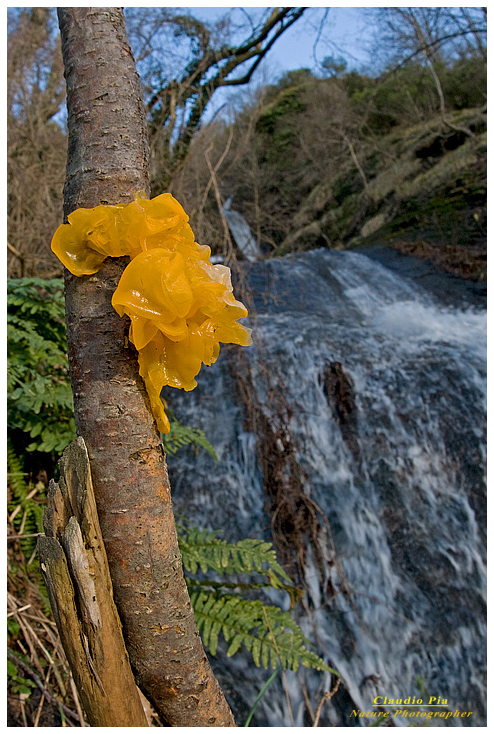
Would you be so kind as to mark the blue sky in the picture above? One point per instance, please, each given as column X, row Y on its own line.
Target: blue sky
column 347, row 32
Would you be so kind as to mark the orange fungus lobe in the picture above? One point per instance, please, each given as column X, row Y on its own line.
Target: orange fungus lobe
column 180, row 305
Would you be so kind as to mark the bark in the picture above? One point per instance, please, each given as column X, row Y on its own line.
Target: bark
column 77, row 578
column 108, row 163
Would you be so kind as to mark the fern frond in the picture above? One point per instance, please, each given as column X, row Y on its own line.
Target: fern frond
column 15, row 474
column 181, row 435
column 39, row 397
column 31, row 515
column 269, row 634
column 202, row 549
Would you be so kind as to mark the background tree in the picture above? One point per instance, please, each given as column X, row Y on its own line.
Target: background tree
column 440, row 32
column 435, row 35
column 182, row 62
column 107, row 163
column 36, row 144
column 176, row 97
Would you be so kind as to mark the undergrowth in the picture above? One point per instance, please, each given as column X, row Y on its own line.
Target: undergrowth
column 40, row 690
column 24, row 506
column 39, row 397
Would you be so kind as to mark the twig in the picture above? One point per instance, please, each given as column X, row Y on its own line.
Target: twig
column 15, row 252
column 16, row 611
column 219, row 203
column 39, row 710
column 32, row 633
column 40, row 707
column 75, row 695
column 23, row 709
column 19, row 506
column 26, row 631
column 33, row 556
column 42, row 620
column 327, row 697
column 216, row 167
column 308, row 703
column 31, row 636
column 356, row 161
column 26, row 669
column 23, row 523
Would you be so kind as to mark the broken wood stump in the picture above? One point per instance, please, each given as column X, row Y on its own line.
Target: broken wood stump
column 75, row 568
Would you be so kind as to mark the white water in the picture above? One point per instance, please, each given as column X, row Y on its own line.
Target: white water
column 239, row 227
column 405, row 497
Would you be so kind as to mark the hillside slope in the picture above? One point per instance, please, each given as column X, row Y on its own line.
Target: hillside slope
column 420, row 189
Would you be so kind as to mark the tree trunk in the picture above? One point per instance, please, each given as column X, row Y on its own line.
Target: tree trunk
column 108, row 163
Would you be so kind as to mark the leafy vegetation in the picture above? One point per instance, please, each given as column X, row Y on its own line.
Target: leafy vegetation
column 202, row 549
column 180, row 436
column 24, row 506
column 39, row 398
column 269, row 634
column 17, row 683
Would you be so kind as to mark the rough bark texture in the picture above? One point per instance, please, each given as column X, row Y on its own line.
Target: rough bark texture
column 108, row 163
column 77, row 578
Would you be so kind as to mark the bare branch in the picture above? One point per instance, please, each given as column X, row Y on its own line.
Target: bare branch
column 212, row 65
column 249, row 50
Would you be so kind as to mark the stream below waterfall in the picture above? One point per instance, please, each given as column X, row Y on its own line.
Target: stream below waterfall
column 386, row 394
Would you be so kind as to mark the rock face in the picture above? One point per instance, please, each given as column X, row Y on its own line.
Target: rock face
column 374, row 397
column 339, row 389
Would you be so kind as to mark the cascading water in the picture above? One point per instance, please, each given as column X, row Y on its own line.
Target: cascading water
column 387, row 394
column 239, row 227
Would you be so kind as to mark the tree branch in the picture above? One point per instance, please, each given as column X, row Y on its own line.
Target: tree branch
column 242, row 54
column 197, row 83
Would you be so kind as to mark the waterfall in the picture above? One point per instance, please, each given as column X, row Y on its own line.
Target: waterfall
column 387, row 396
column 239, row 227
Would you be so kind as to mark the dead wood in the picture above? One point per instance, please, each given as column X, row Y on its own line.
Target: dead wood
column 77, row 578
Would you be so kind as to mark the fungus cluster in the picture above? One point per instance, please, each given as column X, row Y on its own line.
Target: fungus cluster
column 180, row 305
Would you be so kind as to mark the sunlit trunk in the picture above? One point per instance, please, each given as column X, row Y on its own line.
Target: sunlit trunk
column 108, row 163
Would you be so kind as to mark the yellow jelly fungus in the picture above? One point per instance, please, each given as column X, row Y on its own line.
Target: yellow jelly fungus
column 180, row 305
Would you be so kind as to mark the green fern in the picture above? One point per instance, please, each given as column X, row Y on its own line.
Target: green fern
column 30, row 516
column 181, row 435
column 202, row 549
column 39, row 401
column 268, row 633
